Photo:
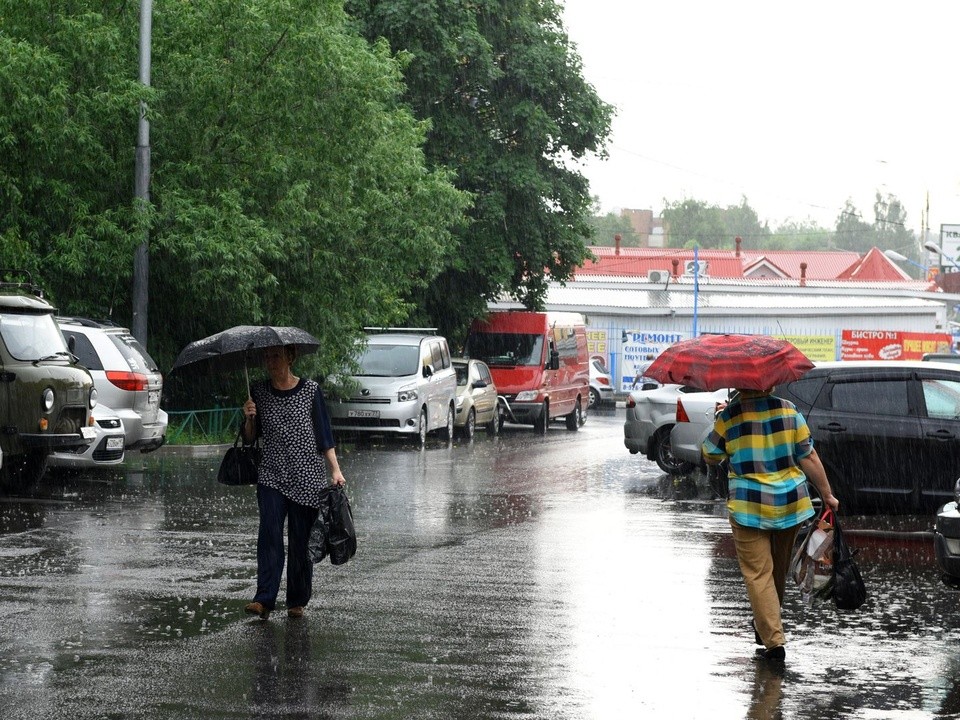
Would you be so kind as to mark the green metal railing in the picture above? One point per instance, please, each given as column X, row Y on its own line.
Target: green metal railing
column 203, row 427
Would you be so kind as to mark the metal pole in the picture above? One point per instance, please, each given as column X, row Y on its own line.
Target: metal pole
column 141, row 257
column 696, row 287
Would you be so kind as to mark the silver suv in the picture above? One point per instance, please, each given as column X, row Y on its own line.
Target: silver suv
column 406, row 385
column 127, row 379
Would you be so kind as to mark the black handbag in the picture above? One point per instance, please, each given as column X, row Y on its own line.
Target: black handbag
column 333, row 533
column 848, row 589
column 239, row 466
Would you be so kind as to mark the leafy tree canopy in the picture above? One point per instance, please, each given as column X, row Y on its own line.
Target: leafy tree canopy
column 510, row 115
column 289, row 185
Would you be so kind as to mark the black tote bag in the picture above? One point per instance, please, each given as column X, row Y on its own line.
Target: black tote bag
column 240, row 465
column 848, row 589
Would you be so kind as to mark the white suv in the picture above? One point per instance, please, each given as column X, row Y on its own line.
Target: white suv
column 406, row 385
column 127, row 379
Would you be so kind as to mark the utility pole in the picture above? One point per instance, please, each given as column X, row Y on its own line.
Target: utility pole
column 141, row 257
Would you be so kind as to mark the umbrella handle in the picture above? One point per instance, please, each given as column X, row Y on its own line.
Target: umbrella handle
column 246, row 373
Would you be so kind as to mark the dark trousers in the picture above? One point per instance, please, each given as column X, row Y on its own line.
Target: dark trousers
column 275, row 509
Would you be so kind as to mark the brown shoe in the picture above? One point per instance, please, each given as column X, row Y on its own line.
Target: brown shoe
column 295, row 612
column 256, row 608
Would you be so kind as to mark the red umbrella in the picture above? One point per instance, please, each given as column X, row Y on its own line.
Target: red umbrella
column 714, row 362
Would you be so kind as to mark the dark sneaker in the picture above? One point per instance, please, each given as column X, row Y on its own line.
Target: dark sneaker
column 256, row 608
column 295, row 612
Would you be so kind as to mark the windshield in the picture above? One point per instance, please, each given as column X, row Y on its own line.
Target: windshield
column 506, row 348
column 389, row 361
column 32, row 337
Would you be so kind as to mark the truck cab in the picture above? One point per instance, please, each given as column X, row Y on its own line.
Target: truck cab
column 46, row 396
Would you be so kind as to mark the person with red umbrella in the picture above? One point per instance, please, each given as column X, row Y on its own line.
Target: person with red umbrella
column 767, row 445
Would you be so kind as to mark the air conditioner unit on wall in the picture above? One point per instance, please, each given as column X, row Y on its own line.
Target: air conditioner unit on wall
column 658, row 276
column 689, row 265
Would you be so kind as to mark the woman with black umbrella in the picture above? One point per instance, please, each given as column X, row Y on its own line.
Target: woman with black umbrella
column 290, row 417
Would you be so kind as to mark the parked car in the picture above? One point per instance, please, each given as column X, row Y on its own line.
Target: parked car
column 601, row 384
column 695, row 415
column 651, row 415
column 47, row 396
column 406, row 385
column 477, row 402
column 106, row 449
column 946, row 542
column 888, row 432
column 127, row 379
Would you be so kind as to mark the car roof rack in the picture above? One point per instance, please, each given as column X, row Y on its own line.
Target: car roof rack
column 415, row 331
column 28, row 286
column 86, row 322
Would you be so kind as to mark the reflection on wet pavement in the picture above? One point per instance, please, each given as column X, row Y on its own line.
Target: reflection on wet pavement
column 518, row 576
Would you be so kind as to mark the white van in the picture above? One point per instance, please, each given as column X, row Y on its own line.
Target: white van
column 406, row 385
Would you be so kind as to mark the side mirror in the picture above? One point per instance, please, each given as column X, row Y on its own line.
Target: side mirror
column 427, row 370
column 554, row 362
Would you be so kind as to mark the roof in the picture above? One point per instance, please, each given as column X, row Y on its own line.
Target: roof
column 759, row 265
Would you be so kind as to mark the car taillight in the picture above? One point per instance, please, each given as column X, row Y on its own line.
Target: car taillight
column 631, row 402
column 131, row 381
column 681, row 413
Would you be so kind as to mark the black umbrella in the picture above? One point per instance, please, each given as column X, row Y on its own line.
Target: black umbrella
column 238, row 347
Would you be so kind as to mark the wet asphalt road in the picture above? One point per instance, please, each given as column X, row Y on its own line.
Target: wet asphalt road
column 511, row 577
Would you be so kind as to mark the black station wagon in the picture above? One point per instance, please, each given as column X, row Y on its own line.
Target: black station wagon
column 888, row 432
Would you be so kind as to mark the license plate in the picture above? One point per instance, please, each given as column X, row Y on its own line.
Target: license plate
column 153, row 397
column 363, row 413
column 88, row 432
column 115, row 443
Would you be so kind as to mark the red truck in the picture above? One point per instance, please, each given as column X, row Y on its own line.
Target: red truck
column 539, row 364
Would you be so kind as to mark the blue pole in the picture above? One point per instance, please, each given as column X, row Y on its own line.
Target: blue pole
column 696, row 286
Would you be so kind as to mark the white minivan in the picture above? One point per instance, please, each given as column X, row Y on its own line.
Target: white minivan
column 406, row 385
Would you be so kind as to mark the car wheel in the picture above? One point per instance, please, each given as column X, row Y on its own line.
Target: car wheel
column 496, row 422
column 575, row 419
column 470, row 427
column 422, row 430
column 541, row 423
column 663, row 454
column 447, row 432
column 594, row 398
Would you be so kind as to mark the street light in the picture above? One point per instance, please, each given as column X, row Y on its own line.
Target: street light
column 935, row 249
column 897, row 257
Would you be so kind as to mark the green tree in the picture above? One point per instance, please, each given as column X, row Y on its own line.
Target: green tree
column 510, row 114
column 800, row 235
column 605, row 228
column 852, row 233
column 289, row 185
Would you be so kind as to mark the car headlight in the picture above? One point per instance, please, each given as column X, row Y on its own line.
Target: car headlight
column 93, row 398
column 48, row 399
column 407, row 395
column 527, row 396
column 459, row 402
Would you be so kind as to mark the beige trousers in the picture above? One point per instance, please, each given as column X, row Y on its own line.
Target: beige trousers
column 764, row 557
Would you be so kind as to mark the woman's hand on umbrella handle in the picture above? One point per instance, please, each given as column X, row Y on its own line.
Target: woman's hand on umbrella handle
column 249, row 409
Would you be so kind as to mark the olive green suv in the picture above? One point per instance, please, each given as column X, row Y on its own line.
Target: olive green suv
column 46, row 396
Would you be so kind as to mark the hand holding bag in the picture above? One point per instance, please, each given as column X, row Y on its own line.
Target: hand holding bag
column 240, row 465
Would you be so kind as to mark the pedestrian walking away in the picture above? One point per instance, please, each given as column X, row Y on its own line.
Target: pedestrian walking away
column 767, row 445
column 289, row 416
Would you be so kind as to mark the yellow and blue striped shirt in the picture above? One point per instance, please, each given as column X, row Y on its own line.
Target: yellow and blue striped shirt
column 764, row 438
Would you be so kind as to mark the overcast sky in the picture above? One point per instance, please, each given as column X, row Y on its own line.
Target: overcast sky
column 797, row 106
